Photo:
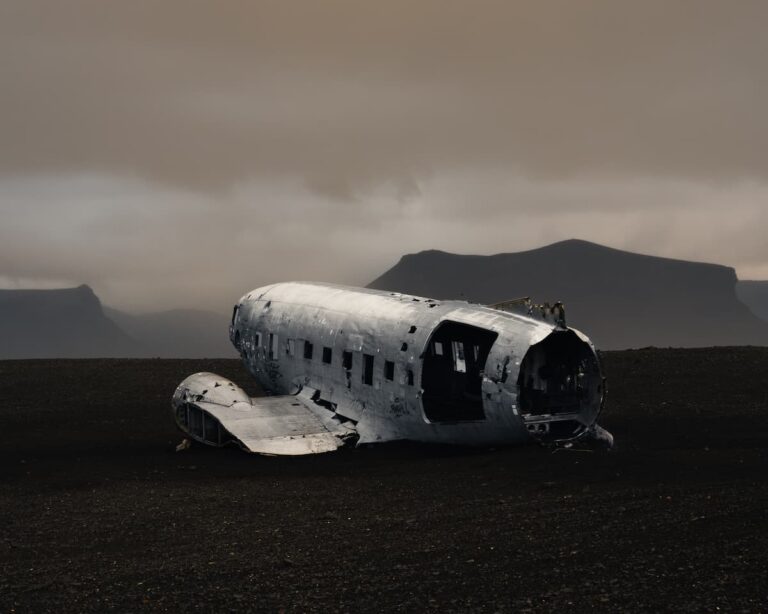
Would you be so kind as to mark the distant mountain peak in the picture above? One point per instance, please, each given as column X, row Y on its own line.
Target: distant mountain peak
column 578, row 245
column 566, row 249
column 622, row 299
column 65, row 322
column 72, row 323
column 429, row 252
column 80, row 297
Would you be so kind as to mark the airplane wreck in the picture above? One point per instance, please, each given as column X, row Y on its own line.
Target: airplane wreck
column 353, row 366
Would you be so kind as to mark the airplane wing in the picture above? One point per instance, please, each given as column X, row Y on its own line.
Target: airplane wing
column 213, row 410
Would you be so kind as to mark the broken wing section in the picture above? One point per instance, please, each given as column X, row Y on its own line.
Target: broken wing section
column 215, row 411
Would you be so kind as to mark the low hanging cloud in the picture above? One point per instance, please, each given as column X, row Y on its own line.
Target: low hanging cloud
column 144, row 247
column 182, row 151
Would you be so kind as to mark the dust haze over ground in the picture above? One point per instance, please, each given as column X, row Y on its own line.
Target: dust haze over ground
column 176, row 154
column 99, row 513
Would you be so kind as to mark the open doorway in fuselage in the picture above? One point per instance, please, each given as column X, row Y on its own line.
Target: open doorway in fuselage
column 452, row 373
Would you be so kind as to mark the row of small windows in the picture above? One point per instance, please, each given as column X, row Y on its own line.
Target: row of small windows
column 327, row 357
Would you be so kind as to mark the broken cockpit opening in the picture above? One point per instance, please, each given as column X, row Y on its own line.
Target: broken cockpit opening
column 560, row 387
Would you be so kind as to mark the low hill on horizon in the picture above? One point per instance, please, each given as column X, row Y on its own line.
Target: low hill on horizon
column 67, row 323
column 620, row 299
column 178, row 333
column 73, row 323
column 754, row 294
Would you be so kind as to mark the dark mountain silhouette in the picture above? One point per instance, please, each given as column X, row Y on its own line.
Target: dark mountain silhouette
column 72, row 323
column 59, row 324
column 620, row 299
column 754, row 294
column 178, row 333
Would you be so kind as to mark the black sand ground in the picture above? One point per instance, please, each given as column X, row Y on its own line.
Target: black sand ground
column 98, row 513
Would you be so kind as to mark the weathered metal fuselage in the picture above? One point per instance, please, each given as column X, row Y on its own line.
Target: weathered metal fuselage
column 404, row 367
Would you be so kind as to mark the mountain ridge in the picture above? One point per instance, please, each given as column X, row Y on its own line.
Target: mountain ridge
column 73, row 323
column 621, row 299
column 63, row 323
column 565, row 245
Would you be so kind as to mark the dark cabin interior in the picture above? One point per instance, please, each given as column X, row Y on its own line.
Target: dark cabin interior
column 558, row 375
column 452, row 372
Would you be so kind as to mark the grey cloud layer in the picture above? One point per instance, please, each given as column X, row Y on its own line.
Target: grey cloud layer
column 350, row 94
column 145, row 247
column 182, row 151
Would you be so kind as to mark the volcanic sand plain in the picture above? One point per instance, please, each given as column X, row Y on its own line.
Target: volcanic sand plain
column 99, row 513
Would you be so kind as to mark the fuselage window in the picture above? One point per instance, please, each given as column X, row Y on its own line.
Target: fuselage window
column 327, row 355
column 272, row 346
column 346, row 364
column 438, row 348
column 459, row 363
column 290, row 347
column 257, row 340
column 410, row 377
column 367, row 369
column 389, row 370
column 308, row 350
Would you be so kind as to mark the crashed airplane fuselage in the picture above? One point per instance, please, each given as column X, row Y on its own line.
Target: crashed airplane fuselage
column 356, row 365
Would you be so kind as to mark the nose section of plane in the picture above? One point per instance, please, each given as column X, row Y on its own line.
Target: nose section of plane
column 561, row 389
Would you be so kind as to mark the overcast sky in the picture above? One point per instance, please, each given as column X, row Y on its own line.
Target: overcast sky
column 180, row 152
